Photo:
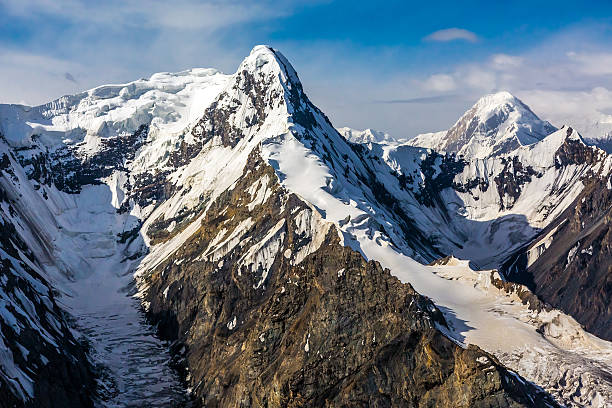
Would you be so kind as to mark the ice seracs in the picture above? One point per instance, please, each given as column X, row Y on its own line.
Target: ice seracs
column 167, row 102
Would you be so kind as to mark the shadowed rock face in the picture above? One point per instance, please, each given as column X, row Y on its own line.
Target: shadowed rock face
column 36, row 338
column 572, row 270
column 511, row 179
column 332, row 330
column 69, row 170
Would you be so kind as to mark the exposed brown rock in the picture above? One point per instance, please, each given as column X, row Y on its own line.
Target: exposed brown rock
column 574, row 273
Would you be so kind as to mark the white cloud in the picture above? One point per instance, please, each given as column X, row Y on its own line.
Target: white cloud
column 43, row 75
column 439, row 83
column 182, row 14
column 571, row 107
column 452, row 34
column 592, row 63
column 505, row 61
column 478, row 78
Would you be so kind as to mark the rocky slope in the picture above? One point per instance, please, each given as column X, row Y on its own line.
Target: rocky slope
column 250, row 222
column 300, row 320
column 568, row 263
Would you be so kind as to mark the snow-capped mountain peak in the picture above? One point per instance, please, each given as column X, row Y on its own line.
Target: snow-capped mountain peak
column 257, row 100
column 267, row 60
column 488, row 105
column 497, row 124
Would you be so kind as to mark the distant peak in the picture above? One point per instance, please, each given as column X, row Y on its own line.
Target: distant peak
column 493, row 102
column 497, row 123
column 365, row 136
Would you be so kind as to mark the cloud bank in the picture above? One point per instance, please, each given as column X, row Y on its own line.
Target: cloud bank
column 452, row 34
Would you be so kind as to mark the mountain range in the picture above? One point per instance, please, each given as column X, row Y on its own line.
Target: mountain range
column 203, row 239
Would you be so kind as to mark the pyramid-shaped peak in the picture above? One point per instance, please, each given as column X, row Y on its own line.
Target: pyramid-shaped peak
column 497, row 123
column 264, row 90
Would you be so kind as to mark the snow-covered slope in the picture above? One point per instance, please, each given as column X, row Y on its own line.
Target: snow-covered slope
column 497, row 124
column 367, row 136
column 506, row 199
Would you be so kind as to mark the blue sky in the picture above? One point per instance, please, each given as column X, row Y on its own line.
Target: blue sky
column 396, row 66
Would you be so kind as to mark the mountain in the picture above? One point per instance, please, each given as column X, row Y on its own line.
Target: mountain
column 497, row 124
column 279, row 263
column 366, row 136
column 533, row 208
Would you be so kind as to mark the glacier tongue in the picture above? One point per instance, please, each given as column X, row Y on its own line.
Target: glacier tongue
column 135, row 362
column 91, row 269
